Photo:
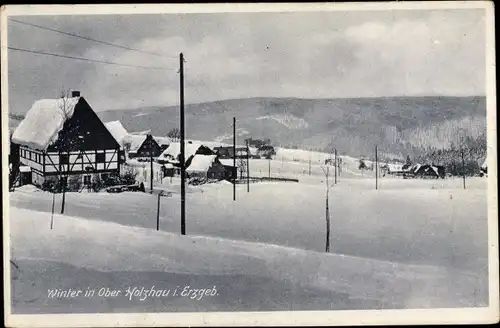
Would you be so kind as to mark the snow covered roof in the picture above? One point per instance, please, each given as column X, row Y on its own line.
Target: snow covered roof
column 43, row 122
column 227, row 162
column 134, row 140
column 174, row 150
column 24, row 168
column 394, row 167
column 145, row 132
column 162, row 140
column 201, row 163
column 435, row 169
column 117, row 130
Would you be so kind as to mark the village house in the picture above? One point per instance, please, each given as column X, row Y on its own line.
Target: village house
column 164, row 142
column 141, row 146
column 206, row 166
column 226, row 152
column 173, row 152
column 231, row 171
column 257, row 143
column 64, row 137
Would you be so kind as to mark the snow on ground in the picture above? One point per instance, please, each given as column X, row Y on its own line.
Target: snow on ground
column 81, row 254
column 406, row 232
column 445, row 226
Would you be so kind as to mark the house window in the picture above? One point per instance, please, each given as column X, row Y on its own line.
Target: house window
column 86, row 179
column 101, row 157
column 64, row 159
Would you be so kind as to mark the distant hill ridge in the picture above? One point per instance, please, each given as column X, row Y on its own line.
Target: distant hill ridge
column 352, row 125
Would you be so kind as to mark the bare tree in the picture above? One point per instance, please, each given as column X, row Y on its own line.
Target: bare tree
column 127, row 145
column 174, row 134
column 242, row 166
column 64, row 111
column 326, row 171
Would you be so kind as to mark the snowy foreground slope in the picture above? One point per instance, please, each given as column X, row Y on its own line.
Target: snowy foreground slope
column 87, row 254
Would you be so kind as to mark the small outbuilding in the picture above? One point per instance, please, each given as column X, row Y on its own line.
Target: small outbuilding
column 206, row 166
column 141, row 146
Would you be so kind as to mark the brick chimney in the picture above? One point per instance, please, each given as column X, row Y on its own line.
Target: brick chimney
column 75, row 94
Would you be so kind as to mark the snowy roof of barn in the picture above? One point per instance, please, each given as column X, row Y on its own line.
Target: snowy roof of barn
column 174, row 150
column 227, row 162
column 134, row 140
column 201, row 163
column 394, row 167
column 162, row 140
column 24, row 168
column 117, row 130
column 43, row 122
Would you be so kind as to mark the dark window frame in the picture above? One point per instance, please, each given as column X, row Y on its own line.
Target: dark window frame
column 100, row 157
column 64, row 159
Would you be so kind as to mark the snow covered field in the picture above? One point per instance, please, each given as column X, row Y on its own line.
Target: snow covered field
column 412, row 243
column 82, row 255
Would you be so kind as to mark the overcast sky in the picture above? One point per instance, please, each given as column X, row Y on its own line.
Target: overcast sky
column 240, row 55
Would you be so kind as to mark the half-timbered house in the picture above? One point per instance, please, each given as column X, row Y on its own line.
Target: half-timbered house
column 141, row 146
column 65, row 137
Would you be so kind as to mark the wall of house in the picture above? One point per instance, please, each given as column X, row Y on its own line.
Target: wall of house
column 31, row 157
column 216, row 171
column 78, row 162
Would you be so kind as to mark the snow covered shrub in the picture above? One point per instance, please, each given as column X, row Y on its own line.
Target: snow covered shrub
column 128, row 176
column 51, row 185
column 74, row 183
column 195, row 181
column 97, row 183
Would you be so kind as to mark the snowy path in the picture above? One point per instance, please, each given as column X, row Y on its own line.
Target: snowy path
column 81, row 254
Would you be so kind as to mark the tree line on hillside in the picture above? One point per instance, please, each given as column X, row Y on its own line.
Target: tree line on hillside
column 473, row 149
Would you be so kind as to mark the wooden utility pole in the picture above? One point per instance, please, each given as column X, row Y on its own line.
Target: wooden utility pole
column 269, row 168
column 234, row 159
column 158, row 213
column 335, row 153
column 248, row 168
column 309, row 166
column 376, row 168
column 463, row 166
column 151, row 168
column 183, row 151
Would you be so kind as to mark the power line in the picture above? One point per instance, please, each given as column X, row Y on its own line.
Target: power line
column 87, row 59
column 90, row 39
